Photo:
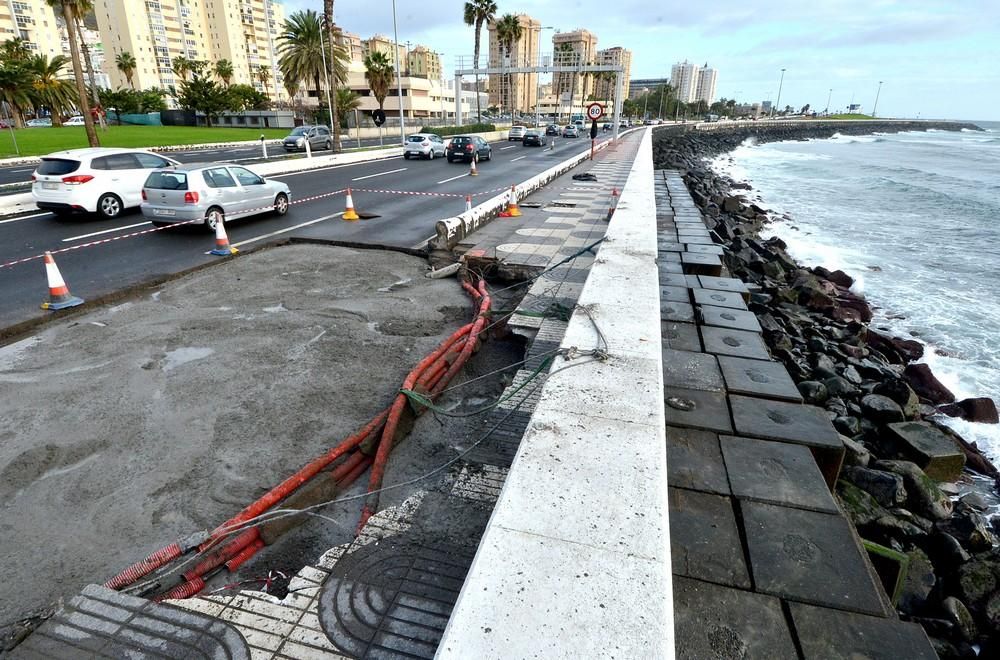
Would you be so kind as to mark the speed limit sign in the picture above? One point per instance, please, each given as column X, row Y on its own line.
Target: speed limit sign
column 595, row 111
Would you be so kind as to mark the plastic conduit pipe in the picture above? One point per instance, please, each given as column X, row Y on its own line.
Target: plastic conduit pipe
column 244, row 555
column 185, row 590
column 470, row 343
column 145, row 566
column 224, row 552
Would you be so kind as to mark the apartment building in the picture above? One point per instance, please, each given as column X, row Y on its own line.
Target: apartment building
column 519, row 90
column 352, row 44
column 245, row 32
column 424, row 63
column 397, row 53
column 33, row 21
column 706, row 84
column 693, row 83
column 605, row 85
column 573, row 48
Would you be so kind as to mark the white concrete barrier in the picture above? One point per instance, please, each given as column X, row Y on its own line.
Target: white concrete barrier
column 575, row 561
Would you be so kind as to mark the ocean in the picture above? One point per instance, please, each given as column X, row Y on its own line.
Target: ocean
column 915, row 218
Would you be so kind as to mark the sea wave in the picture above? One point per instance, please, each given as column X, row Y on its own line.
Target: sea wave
column 850, row 139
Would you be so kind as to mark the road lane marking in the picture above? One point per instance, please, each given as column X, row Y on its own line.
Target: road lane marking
column 323, row 169
column 284, row 231
column 517, row 159
column 453, row 178
column 106, row 231
column 30, row 169
column 505, row 148
column 24, row 217
column 372, row 176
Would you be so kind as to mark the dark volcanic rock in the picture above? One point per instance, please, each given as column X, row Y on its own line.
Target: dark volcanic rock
column 924, row 497
column 886, row 487
column 897, row 390
column 970, row 528
column 980, row 409
column 839, row 386
column 847, row 425
column 919, row 583
column 881, row 409
column 976, row 581
column 813, row 392
column 926, row 385
column 855, row 453
column 959, row 615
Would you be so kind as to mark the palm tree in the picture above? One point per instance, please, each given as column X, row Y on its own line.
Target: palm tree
column 509, row 32
column 224, row 69
column 301, row 53
column 15, row 84
column 347, row 101
column 475, row 13
column 181, row 66
column 378, row 75
column 332, row 39
column 70, row 10
column 264, row 76
column 49, row 89
column 125, row 61
column 84, row 7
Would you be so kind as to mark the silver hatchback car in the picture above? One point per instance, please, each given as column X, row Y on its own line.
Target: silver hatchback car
column 210, row 193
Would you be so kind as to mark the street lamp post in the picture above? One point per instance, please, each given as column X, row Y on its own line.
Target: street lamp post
column 538, row 78
column 326, row 78
column 875, row 107
column 828, row 97
column 780, row 82
column 399, row 76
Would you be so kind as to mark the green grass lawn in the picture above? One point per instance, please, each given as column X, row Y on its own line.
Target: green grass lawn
column 848, row 116
column 41, row 141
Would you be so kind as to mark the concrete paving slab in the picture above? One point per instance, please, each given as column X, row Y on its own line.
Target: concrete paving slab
column 715, row 298
column 669, row 245
column 691, row 370
column 758, row 378
column 739, row 343
column 681, row 336
column 826, row 634
column 927, row 446
column 704, row 249
column 696, row 409
column 704, row 540
column 675, row 294
column 694, row 461
column 728, row 318
column 668, row 256
column 809, row 557
column 701, row 264
column 714, row 622
column 725, row 284
column 700, row 240
column 677, row 312
column 777, row 473
column 672, row 277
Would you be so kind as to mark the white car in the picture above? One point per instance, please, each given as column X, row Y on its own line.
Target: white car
column 423, row 145
column 516, row 133
column 75, row 121
column 98, row 180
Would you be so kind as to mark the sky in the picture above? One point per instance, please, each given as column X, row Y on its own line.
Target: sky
column 937, row 59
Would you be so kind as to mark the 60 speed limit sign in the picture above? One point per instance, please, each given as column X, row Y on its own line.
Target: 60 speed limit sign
column 595, row 111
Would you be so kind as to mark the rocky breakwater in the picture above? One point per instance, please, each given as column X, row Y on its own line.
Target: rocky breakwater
column 898, row 481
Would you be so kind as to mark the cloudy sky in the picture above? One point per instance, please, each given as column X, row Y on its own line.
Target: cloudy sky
column 938, row 58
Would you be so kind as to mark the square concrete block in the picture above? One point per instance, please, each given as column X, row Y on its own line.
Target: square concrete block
column 704, row 540
column 694, row 461
column 726, row 341
column 758, row 378
column 794, row 423
column 705, row 249
column 690, row 370
column 675, row 294
column 827, row 634
column 729, row 318
column 701, row 264
column 809, row 557
column 713, row 622
column 683, row 234
column 663, row 255
column 698, row 240
column 670, row 267
column 669, row 278
column 729, row 299
column 696, row 409
column 676, row 311
column 682, row 336
column 929, row 447
column 665, row 245
column 776, row 472
column 725, row 284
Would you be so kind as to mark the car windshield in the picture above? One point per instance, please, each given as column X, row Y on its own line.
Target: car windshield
column 416, row 138
column 57, row 166
column 459, row 140
column 301, row 130
column 167, row 181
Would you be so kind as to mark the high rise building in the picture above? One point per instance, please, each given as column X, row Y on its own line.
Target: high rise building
column 424, row 63
column 706, row 84
column 605, row 83
column 684, row 79
column 519, row 90
column 569, row 49
column 395, row 52
column 35, row 23
column 245, row 32
column 352, row 44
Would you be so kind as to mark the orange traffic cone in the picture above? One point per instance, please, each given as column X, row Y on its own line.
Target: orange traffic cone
column 59, row 295
column 472, row 167
column 468, row 203
column 350, row 213
column 512, row 210
column 222, row 246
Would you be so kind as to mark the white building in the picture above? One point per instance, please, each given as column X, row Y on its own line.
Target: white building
column 692, row 83
column 706, row 84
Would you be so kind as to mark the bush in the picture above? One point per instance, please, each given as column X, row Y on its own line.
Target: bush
column 458, row 130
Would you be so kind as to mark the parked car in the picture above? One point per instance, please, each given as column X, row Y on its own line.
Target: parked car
column 467, row 147
column 75, row 121
column 570, row 131
column 98, row 180
column 580, row 126
column 210, row 193
column 516, row 133
column 319, row 138
column 532, row 138
column 423, row 145
column 40, row 122
column 552, row 129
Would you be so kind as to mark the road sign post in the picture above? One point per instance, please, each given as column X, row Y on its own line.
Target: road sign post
column 594, row 111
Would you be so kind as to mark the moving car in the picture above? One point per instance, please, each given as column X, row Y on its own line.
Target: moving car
column 516, row 133
column 319, row 138
column 98, row 180
column 533, row 138
column 467, row 147
column 570, row 131
column 552, row 129
column 41, row 122
column 424, row 145
column 75, row 121
column 210, row 193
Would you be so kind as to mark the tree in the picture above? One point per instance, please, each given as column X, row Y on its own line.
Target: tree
column 126, row 63
column 181, row 66
column 15, row 84
column 122, row 100
column 332, row 39
column 805, row 109
column 224, row 69
column 378, row 75
column 264, row 76
column 202, row 94
column 301, row 53
column 245, row 97
column 50, row 89
column 509, row 32
column 84, row 7
column 475, row 13
column 70, row 9
column 347, row 102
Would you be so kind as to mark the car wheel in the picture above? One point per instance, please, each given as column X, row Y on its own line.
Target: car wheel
column 430, row 155
column 329, row 145
column 450, row 159
column 406, row 156
column 109, row 206
column 212, row 218
column 281, row 204
column 160, row 223
column 489, row 155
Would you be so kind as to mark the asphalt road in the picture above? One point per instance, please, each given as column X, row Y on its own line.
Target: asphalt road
column 404, row 220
